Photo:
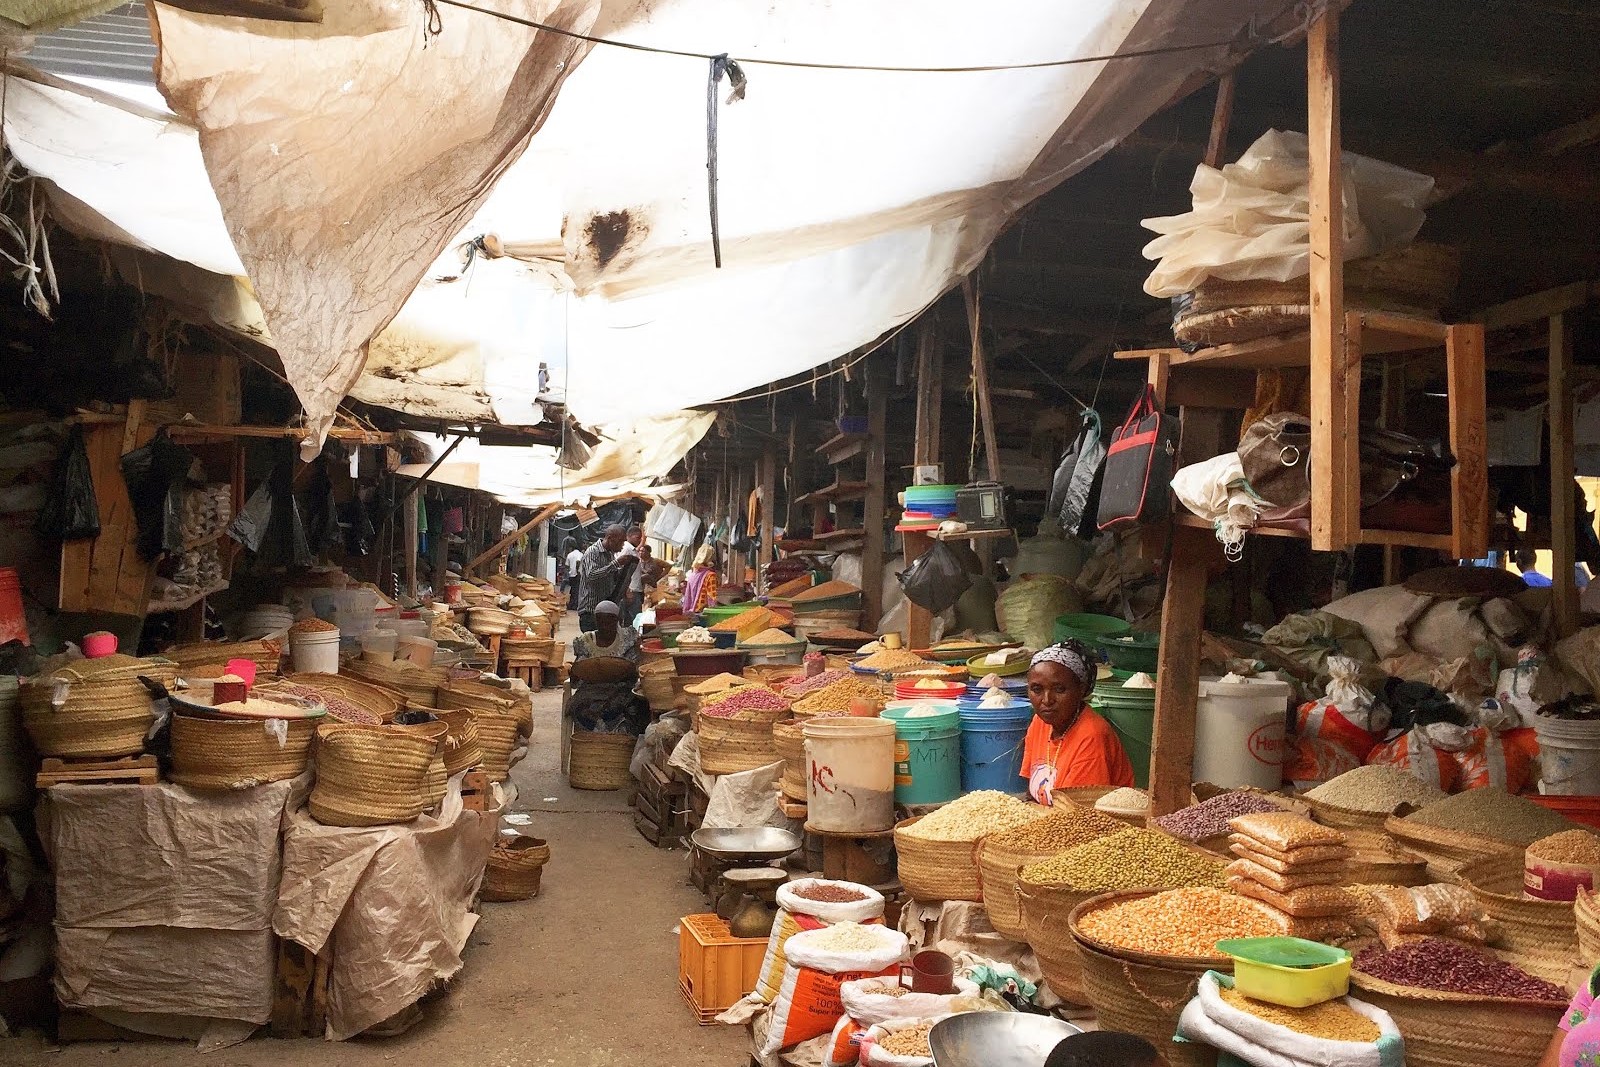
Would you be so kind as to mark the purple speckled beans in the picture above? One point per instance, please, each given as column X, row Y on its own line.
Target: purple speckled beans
column 747, row 698
column 1434, row 963
column 1210, row 818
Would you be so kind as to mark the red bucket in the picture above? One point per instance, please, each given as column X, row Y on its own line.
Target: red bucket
column 13, row 623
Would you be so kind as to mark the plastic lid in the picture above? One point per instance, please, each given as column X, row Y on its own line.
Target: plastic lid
column 1282, row 951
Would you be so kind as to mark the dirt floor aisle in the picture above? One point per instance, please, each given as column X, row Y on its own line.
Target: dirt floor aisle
column 585, row 975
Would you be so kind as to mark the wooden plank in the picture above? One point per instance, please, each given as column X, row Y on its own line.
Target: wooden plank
column 980, row 380
column 919, row 623
column 873, row 505
column 1210, row 388
column 1178, row 670
column 1392, row 416
column 497, row 549
column 410, row 541
column 930, row 360
column 1349, row 442
column 1426, row 330
column 769, row 498
column 1159, row 374
column 1330, row 474
column 1469, row 480
column 1563, row 537
column 1221, row 118
column 1536, row 306
column 1407, row 539
column 129, row 770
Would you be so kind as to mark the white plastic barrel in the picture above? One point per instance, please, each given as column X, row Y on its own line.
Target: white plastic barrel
column 1239, row 732
column 849, row 775
column 1569, row 756
column 316, row 652
column 378, row 646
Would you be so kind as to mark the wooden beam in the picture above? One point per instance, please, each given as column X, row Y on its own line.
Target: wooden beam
column 980, row 380
column 873, row 506
column 1536, row 306
column 495, row 550
column 1221, row 117
column 1469, row 441
column 930, row 372
column 1178, row 670
column 919, row 622
column 769, row 496
column 1330, row 501
column 441, row 561
column 1563, row 538
column 408, row 518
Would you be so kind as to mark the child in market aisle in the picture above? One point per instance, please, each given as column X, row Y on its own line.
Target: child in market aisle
column 1068, row 744
column 1103, row 1048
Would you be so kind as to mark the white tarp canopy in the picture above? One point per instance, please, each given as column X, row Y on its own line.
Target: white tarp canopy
column 354, row 160
column 627, row 461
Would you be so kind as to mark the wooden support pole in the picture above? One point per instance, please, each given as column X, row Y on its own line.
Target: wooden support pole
column 1563, row 538
column 1331, row 511
column 873, row 506
column 441, row 561
column 980, row 379
column 919, row 622
column 1178, row 670
column 930, row 360
column 1221, row 118
column 769, row 497
column 495, row 550
column 1469, row 441
column 408, row 506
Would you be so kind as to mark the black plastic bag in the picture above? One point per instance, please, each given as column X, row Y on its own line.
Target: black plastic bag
column 936, row 580
column 322, row 511
column 1417, row 704
column 155, row 476
column 72, row 512
column 270, row 524
column 1075, row 490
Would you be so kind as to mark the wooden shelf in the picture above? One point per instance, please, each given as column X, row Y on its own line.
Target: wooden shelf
column 836, row 491
column 840, row 535
column 159, row 606
column 965, row 535
column 1382, row 333
column 209, row 539
column 1397, row 538
column 843, row 446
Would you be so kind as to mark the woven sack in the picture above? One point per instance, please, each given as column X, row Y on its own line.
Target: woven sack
column 497, row 740
column 238, row 753
column 370, row 775
column 106, row 711
column 1463, row 1030
column 1045, row 912
column 383, row 703
column 1540, row 936
column 600, row 761
column 936, row 870
column 462, row 750
column 731, row 746
column 514, row 869
column 789, row 742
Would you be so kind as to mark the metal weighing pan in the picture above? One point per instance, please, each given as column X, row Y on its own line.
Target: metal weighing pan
column 754, row 844
column 996, row 1039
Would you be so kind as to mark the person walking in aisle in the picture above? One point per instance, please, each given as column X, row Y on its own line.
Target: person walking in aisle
column 633, row 599
column 605, row 574
column 574, row 569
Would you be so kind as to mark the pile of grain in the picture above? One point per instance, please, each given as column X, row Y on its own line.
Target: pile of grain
column 1493, row 813
column 1063, row 828
column 1180, row 922
column 772, row 637
column 889, row 659
column 1581, row 848
column 1128, row 859
column 1376, row 789
column 1331, row 1020
column 1210, row 818
column 974, row 815
column 826, row 591
column 836, row 696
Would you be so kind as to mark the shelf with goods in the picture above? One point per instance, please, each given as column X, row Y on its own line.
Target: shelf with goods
column 855, row 497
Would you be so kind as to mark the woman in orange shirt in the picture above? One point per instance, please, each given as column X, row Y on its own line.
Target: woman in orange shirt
column 1068, row 744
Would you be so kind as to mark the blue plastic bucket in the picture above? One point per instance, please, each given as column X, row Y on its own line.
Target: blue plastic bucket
column 927, row 751
column 991, row 748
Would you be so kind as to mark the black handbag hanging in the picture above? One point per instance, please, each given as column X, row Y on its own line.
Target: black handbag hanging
column 1137, row 485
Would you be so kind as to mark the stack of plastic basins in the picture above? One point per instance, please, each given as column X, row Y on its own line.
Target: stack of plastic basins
column 991, row 739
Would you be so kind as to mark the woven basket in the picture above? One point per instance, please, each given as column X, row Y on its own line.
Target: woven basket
column 1446, row 851
column 514, row 870
column 370, row 775
column 789, row 741
column 106, row 712
column 1378, row 860
column 1541, row 936
column 266, row 654
column 541, row 648
column 474, row 696
column 374, row 698
column 936, row 870
column 1346, row 818
column 1138, row 993
column 1045, row 911
column 1586, row 911
column 436, row 783
column 462, row 749
column 730, row 746
column 418, row 685
column 237, row 753
column 998, row 871
column 600, row 761
column 1463, row 1030
column 772, row 675
column 498, row 733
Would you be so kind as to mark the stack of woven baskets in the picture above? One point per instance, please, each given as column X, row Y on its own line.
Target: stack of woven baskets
column 266, row 654
column 372, row 775
column 600, row 760
column 419, row 685
column 514, row 869
column 92, row 709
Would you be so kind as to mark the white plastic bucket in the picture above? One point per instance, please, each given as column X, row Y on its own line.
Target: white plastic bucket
column 409, row 627
column 850, row 775
column 1569, row 756
column 378, row 646
column 1239, row 732
column 316, row 652
column 419, row 650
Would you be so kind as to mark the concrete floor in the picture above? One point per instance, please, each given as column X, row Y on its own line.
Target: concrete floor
column 584, row 975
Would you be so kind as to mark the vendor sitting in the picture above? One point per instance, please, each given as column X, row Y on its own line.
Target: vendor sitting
column 609, row 706
column 1068, row 744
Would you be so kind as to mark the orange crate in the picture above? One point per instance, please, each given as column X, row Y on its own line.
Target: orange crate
column 716, row 969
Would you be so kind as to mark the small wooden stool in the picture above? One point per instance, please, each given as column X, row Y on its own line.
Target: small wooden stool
column 531, row 671
column 848, row 856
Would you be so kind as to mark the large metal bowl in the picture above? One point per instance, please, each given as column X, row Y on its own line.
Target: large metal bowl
column 745, row 844
column 996, row 1039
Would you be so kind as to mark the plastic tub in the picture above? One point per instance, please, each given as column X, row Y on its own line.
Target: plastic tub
column 927, row 751
column 776, row 655
column 1287, row 971
column 1089, row 628
column 1239, row 732
column 1132, row 715
column 316, row 652
column 419, row 650
column 98, row 644
column 991, row 748
column 378, row 646
column 1569, row 756
column 412, row 627
column 1132, row 652
column 850, row 774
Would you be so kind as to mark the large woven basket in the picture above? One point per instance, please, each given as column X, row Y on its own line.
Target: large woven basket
column 464, row 695
column 1540, row 936
column 600, row 761
column 436, row 783
column 655, row 685
column 998, row 871
column 1463, row 1030
column 1046, row 911
column 936, row 870
column 238, row 753
column 106, row 711
column 1446, row 851
column 789, row 741
column 1586, row 912
column 730, row 746
column 498, row 733
column 462, row 748
column 514, row 869
column 419, row 685
column 370, row 775
column 1140, row 993
column 489, row 622
column 383, row 703
column 266, row 654
column 1346, row 818
column 539, row 647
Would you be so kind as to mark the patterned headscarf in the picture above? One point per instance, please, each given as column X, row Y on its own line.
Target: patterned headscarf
column 1073, row 655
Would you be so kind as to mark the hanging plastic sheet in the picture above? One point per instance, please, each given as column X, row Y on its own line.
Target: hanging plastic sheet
column 155, row 477
column 71, row 513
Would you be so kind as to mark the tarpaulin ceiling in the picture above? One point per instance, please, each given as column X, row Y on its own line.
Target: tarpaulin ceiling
column 626, row 461
column 849, row 198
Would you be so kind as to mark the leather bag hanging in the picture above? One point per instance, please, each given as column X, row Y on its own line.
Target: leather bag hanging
column 1136, row 486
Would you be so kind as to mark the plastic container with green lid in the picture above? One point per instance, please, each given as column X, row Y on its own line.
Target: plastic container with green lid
column 1288, row 971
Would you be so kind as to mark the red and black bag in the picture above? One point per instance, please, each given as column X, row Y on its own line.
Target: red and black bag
column 1137, row 486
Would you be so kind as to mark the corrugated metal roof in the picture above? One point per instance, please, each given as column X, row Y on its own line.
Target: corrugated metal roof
column 115, row 45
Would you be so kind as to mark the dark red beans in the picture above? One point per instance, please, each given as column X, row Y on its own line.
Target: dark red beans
column 1434, row 963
